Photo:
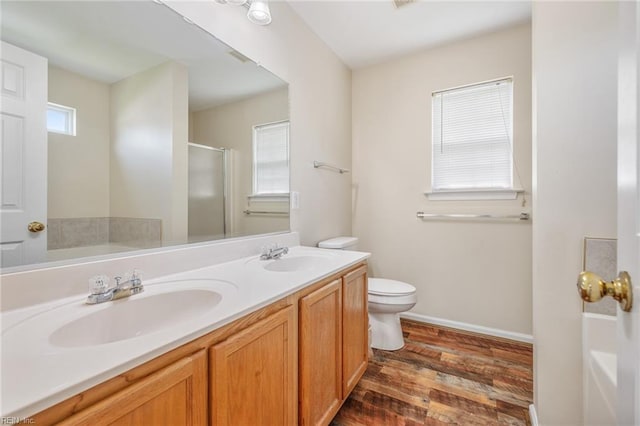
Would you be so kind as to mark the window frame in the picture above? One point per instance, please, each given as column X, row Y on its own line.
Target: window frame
column 70, row 122
column 476, row 193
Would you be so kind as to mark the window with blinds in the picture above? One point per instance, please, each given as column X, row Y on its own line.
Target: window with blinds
column 271, row 158
column 472, row 137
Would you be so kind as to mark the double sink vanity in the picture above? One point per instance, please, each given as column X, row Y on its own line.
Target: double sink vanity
column 245, row 341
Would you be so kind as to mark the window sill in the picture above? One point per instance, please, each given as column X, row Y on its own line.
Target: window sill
column 474, row 194
column 268, row 197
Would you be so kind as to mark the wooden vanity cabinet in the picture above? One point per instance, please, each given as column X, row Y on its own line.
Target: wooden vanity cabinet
column 293, row 361
column 174, row 395
column 320, row 351
column 333, row 345
column 355, row 328
column 252, row 374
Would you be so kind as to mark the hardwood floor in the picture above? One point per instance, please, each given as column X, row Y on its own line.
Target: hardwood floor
column 444, row 377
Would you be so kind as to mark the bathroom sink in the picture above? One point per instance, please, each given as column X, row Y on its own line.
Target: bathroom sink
column 137, row 315
column 296, row 263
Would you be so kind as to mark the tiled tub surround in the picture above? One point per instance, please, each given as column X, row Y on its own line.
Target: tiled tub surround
column 36, row 374
column 600, row 257
column 77, row 232
column 64, row 233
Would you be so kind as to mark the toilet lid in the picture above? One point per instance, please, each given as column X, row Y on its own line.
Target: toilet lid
column 384, row 287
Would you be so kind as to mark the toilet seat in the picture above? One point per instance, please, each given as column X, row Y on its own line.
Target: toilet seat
column 389, row 288
column 404, row 299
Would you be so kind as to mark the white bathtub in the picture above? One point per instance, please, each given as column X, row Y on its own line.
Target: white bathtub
column 85, row 251
column 599, row 369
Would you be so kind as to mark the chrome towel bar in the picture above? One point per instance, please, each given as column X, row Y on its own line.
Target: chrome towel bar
column 317, row 164
column 423, row 215
column 263, row 212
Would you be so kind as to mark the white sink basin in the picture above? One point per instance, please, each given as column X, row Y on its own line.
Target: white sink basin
column 135, row 316
column 296, row 263
column 167, row 308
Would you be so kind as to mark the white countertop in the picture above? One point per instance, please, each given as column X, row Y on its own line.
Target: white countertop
column 37, row 374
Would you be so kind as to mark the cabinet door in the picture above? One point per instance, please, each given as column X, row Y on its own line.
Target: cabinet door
column 355, row 328
column 253, row 375
column 320, row 363
column 175, row 395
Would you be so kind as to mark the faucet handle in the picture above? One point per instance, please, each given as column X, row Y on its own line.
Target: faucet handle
column 99, row 284
column 135, row 278
column 119, row 280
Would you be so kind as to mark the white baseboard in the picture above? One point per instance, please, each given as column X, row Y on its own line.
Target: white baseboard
column 520, row 337
column 533, row 416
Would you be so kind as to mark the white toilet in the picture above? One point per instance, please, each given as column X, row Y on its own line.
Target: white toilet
column 387, row 298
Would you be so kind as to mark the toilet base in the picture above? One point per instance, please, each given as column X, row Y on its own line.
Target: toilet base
column 386, row 332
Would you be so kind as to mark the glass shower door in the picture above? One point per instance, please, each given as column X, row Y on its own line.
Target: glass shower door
column 207, row 173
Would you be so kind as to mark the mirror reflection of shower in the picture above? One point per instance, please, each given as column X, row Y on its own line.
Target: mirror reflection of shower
column 208, row 192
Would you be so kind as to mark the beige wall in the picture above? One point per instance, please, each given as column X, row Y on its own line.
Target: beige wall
column 78, row 175
column 149, row 129
column 474, row 272
column 574, row 68
column 320, row 101
column 230, row 126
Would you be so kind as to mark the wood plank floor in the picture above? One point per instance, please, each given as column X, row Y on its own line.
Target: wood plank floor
column 444, row 377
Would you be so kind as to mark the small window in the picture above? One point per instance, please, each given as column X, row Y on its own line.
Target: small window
column 271, row 158
column 473, row 138
column 61, row 119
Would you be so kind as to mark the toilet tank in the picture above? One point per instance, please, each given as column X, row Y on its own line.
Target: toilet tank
column 340, row 243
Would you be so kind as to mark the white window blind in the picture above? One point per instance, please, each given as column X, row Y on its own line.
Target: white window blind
column 271, row 158
column 472, row 137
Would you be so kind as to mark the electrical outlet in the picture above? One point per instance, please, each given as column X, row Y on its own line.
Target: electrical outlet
column 295, row 200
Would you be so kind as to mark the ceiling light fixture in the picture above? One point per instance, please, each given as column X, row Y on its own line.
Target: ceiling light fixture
column 399, row 3
column 258, row 13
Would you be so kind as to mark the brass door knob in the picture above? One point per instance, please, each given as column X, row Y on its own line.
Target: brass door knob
column 36, row 227
column 592, row 288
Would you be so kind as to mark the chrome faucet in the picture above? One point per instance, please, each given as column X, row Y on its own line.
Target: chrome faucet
column 101, row 292
column 273, row 252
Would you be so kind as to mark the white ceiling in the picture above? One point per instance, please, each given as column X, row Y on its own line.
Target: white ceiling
column 108, row 41
column 365, row 32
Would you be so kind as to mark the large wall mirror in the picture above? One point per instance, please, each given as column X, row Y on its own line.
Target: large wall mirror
column 157, row 133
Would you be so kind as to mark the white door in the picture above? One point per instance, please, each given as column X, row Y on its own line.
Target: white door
column 628, row 343
column 23, row 156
